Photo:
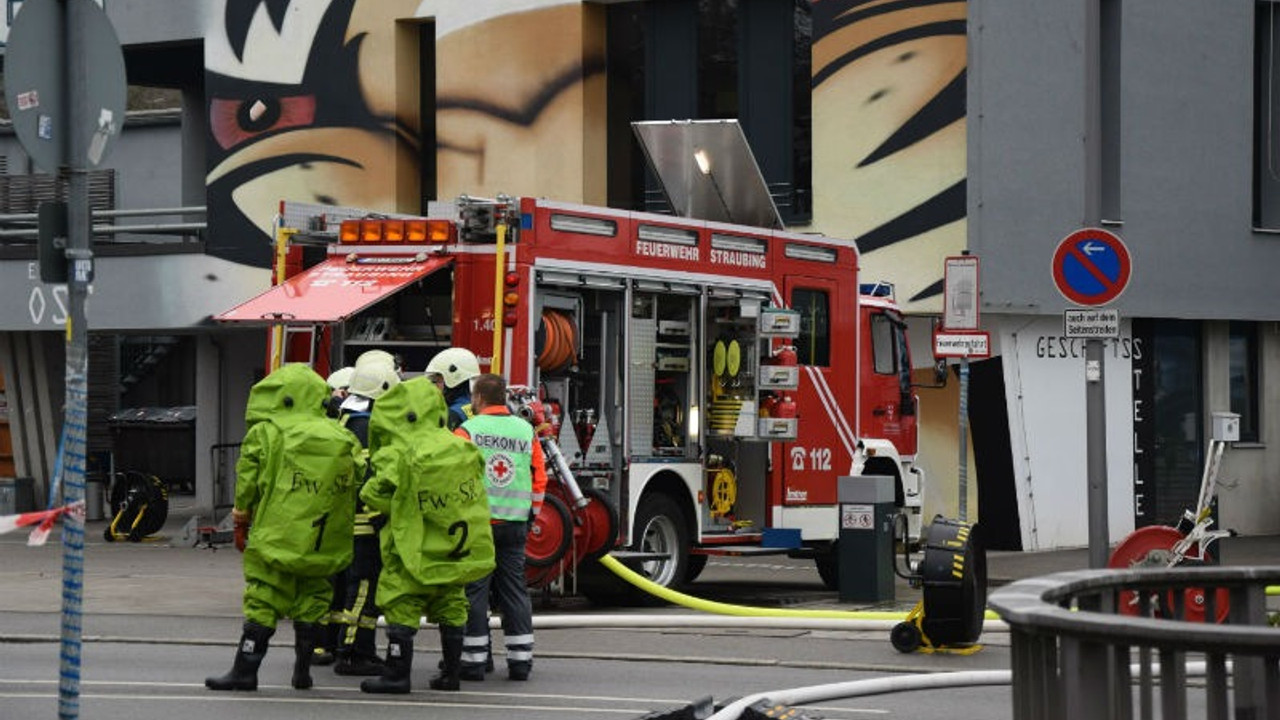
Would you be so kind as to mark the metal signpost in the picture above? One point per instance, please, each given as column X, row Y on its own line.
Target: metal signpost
column 1091, row 267
column 960, row 337
column 65, row 85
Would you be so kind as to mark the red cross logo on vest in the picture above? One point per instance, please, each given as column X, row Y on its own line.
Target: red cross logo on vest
column 500, row 469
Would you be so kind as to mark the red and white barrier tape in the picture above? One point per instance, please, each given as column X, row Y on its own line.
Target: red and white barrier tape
column 43, row 520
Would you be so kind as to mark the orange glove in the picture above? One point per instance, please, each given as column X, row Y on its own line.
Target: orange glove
column 241, row 529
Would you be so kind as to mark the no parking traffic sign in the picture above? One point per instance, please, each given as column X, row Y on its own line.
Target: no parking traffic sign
column 1091, row 267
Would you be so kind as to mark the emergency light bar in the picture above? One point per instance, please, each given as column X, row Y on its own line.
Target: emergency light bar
column 397, row 230
column 877, row 289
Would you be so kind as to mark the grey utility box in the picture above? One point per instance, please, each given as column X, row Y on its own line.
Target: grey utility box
column 1226, row 427
column 864, row 554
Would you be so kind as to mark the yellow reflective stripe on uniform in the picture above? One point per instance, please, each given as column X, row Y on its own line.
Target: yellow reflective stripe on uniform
column 353, row 616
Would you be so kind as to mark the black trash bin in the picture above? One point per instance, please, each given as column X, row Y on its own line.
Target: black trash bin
column 159, row 441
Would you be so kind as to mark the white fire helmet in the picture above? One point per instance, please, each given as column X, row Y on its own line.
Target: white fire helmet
column 339, row 379
column 372, row 380
column 456, row 365
column 377, row 357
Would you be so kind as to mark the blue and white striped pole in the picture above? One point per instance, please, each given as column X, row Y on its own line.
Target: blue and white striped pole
column 73, row 462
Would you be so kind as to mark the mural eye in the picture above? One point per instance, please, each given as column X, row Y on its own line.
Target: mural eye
column 236, row 121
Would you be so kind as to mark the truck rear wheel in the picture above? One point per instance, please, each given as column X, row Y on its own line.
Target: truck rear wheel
column 660, row 528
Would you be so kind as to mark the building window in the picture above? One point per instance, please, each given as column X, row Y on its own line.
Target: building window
column 713, row 59
column 813, row 346
column 1266, row 116
column 1243, row 352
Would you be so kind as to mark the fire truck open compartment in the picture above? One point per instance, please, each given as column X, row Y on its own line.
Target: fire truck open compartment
column 415, row 323
column 583, row 385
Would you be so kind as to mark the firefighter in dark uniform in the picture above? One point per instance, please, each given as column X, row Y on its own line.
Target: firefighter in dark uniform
column 516, row 481
column 357, row 621
column 327, row 629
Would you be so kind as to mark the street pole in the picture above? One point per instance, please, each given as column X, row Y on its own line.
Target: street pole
column 1096, row 439
column 1095, row 398
column 964, row 439
column 79, row 274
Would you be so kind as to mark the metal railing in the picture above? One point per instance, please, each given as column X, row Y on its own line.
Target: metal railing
column 1072, row 649
column 20, row 228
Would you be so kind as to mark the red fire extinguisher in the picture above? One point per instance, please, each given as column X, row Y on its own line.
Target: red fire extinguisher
column 786, row 355
column 786, row 408
column 769, row 406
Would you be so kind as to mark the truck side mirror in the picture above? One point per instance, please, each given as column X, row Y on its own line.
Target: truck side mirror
column 939, row 364
column 940, row 372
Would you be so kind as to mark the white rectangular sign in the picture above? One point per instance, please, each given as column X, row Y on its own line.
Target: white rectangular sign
column 960, row 293
column 958, row 345
column 857, row 517
column 1091, row 323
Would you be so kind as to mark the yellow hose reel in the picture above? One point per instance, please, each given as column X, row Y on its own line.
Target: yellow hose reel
column 724, row 492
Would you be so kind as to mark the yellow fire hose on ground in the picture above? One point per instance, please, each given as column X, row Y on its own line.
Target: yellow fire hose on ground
column 720, row 608
column 768, row 617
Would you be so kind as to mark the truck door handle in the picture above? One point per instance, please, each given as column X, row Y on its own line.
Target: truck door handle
column 878, row 412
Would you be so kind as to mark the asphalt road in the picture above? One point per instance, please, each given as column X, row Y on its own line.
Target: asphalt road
column 126, row 681
column 160, row 617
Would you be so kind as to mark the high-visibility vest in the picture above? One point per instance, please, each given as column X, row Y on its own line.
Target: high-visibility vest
column 506, row 442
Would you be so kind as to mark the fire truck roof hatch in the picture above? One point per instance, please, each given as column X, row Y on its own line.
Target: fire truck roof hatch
column 707, row 171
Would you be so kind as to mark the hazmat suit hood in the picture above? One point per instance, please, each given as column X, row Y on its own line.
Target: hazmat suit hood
column 406, row 409
column 294, row 390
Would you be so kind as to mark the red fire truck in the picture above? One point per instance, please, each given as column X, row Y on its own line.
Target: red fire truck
column 705, row 384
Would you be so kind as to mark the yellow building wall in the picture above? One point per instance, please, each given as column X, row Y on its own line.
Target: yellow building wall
column 519, row 113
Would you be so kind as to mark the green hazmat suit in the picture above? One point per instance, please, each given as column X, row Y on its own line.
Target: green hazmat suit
column 430, row 484
column 296, row 478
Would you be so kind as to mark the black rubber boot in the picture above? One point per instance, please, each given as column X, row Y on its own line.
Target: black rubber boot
column 395, row 677
column 360, row 657
column 305, row 636
column 244, row 673
column 349, row 663
column 327, row 633
column 519, row 670
column 451, row 656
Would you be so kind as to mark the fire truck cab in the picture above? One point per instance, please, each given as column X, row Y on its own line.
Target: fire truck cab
column 709, row 381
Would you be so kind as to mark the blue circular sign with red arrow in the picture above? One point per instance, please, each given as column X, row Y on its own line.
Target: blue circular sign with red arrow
column 1091, row 267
